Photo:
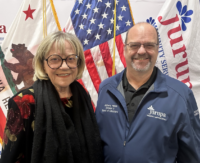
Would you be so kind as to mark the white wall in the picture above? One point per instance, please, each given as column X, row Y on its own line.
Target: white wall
column 141, row 9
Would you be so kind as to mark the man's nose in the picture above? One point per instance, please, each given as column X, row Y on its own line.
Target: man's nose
column 141, row 50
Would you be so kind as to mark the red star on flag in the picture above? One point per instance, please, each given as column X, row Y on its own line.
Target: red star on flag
column 29, row 13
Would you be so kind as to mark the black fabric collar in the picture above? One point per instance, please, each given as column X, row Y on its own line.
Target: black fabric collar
column 56, row 137
column 127, row 86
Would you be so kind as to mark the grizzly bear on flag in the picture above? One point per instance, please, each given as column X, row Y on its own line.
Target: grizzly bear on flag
column 24, row 68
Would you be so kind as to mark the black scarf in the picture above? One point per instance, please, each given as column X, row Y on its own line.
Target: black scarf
column 56, row 138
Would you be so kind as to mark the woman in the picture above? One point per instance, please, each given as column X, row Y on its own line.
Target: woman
column 53, row 121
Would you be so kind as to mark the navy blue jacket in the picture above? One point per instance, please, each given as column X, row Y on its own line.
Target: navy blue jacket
column 165, row 128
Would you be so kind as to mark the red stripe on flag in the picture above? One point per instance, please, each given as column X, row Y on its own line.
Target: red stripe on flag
column 120, row 47
column 81, row 82
column 93, row 106
column 105, row 52
column 2, row 122
column 94, row 75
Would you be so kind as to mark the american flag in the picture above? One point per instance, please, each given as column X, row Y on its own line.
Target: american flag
column 93, row 23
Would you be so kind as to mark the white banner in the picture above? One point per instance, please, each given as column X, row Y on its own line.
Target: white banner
column 178, row 24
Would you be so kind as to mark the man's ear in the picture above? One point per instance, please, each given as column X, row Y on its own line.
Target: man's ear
column 124, row 48
column 158, row 47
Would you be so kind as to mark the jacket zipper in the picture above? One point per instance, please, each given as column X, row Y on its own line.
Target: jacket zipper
column 139, row 105
column 124, row 143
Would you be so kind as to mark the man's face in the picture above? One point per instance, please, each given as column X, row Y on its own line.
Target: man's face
column 141, row 58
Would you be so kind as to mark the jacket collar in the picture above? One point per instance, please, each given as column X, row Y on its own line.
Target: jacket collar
column 159, row 84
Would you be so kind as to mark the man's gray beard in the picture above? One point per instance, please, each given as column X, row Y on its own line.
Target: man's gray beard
column 146, row 68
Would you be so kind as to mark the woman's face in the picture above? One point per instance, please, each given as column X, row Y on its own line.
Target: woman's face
column 62, row 77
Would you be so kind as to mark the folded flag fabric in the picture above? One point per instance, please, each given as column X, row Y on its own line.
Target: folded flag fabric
column 93, row 23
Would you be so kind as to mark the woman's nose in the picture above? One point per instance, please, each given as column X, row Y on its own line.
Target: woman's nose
column 64, row 65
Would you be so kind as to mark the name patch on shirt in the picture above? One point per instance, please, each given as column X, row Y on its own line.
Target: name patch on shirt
column 110, row 108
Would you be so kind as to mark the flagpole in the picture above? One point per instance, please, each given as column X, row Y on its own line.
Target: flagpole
column 55, row 15
column 113, row 67
column 44, row 19
column 131, row 12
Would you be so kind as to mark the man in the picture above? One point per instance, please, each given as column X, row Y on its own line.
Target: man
column 143, row 115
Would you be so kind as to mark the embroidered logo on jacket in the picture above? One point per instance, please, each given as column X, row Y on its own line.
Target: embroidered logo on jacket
column 156, row 114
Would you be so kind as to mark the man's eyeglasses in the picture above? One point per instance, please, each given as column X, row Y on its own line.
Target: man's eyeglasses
column 135, row 46
column 55, row 61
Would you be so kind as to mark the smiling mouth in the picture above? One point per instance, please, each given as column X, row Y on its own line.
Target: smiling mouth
column 63, row 74
column 140, row 58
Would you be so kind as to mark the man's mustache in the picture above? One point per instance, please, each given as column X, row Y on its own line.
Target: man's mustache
column 140, row 57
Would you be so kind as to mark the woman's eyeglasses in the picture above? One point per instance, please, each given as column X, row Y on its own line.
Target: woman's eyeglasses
column 55, row 61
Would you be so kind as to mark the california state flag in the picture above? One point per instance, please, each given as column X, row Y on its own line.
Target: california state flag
column 34, row 20
column 178, row 24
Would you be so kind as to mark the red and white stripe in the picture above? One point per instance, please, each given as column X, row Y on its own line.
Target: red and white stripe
column 99, row 60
